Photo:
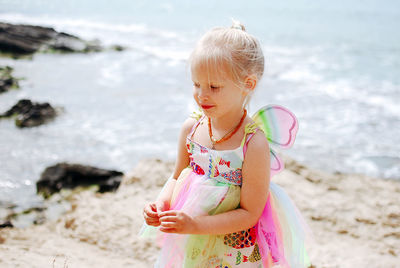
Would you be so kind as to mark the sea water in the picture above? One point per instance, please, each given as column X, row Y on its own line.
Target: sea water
column 335, row 64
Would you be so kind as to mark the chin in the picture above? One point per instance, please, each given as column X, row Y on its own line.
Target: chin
column 208, row 112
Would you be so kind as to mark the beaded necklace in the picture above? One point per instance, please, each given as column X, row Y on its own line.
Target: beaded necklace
column 227, row 135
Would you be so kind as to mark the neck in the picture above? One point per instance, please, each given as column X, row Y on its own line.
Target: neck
column 227, row 121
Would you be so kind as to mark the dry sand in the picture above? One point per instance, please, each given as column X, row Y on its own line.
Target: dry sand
column 355, row 220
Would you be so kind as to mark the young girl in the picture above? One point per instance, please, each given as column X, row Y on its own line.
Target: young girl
column 219, row 208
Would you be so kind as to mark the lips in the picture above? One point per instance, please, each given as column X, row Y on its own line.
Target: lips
column 203, row 106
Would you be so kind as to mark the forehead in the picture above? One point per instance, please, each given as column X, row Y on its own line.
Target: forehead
column 204, row 71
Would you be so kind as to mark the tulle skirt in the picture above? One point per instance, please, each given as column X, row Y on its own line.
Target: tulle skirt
column 277, row 240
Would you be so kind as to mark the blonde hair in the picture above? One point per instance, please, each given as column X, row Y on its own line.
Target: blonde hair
column 229, row 51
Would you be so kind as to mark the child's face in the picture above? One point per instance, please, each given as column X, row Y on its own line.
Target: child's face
column 216, row 93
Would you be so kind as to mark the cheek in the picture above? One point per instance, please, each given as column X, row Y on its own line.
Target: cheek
column 195, row 95
column 232, row 100
column 194, row 92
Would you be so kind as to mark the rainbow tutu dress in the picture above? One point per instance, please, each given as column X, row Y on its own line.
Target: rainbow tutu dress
column 211, row 184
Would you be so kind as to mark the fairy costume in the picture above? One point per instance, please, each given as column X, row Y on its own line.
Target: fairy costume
column 211, row 184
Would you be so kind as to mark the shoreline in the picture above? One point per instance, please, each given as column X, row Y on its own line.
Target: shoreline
column 355, row 220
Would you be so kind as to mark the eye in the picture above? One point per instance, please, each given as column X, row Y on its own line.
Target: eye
column 196, row 85
column 215, row 88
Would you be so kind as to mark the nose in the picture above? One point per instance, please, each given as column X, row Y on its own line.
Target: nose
column 201, row 93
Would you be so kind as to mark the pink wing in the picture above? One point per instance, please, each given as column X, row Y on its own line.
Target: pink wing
column 276, row 163
column 278, row 123
column 280, row 127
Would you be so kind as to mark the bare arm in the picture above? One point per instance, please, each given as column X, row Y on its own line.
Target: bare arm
column 182, row 160
column 254, row 193
column 152, row 210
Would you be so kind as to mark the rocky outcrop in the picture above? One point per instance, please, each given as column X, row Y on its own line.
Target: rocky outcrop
column 28, row 39
column 6, row 224
column 30, row 114
column 7, row 81
column 69, row 176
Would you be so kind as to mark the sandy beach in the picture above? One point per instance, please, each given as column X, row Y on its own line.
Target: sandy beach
column 355, row 220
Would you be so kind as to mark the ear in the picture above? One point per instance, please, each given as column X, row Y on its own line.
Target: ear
column 250, row 83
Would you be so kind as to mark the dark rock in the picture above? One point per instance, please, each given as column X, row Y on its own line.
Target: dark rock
column 18, row 39
column 118, row 48
column 7, row 81
column 30, row 114
column 6, row 224
column 69, row 176
column 33, row 209
column 33, row 215
column 39, row 219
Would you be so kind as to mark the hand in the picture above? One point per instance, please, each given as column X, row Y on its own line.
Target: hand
column 176, row 221
column 150, row 215
column 151, row 211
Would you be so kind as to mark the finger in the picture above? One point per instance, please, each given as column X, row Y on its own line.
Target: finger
column 167, row 230
column 151, row 214
column 168, row 219
column 153, row 223
column 168, row 213
column 148, row 211
column 153, row 207
column 148, row 219
column 168, row 225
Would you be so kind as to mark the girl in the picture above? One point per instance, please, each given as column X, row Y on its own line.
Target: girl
column 219, row 208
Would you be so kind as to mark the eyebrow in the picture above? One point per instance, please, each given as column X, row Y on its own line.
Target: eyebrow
column 211, row 83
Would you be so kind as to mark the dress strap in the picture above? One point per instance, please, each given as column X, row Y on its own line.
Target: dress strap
column 249, row 130
column 190, row 135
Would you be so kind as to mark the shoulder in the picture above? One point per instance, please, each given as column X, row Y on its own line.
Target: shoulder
column 258, row 145
column 188, row 125
column 256, row 163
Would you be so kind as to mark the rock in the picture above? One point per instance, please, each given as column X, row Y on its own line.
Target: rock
column 7, row 81
column 30, row 114
column 6, row 224
column 6, row 209
column 65, row 175
column 18, row 39
column 117, row 48
column 39, row 219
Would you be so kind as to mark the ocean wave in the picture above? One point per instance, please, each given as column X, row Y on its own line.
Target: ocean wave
column 155, row 41
column 344, row 90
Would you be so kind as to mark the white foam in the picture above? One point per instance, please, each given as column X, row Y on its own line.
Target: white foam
column 384, row 102
column 158, row 43
column 8, row 184
column 163, row 53
column 111, row 74
column 392, row 172
column 282, row 51
column 90, row 28
column 363, row 166
column 342, row 90
column 300, row 75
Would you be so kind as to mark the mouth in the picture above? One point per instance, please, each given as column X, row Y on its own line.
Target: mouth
column 205, row 107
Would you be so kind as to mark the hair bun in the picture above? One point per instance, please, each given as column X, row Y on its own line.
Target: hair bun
column 237, row 25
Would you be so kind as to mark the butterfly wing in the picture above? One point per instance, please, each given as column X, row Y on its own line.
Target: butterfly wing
column 280, row 127
column 278, row 123
column 276, row 164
